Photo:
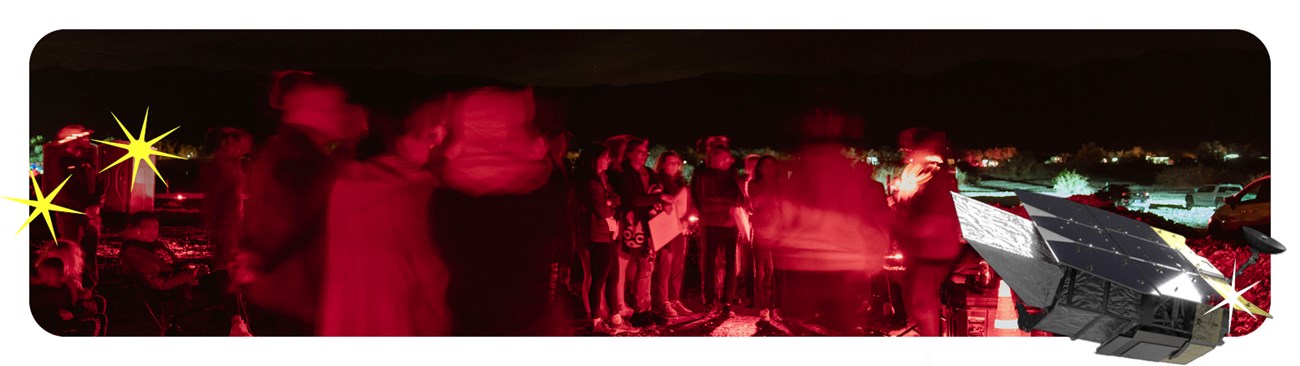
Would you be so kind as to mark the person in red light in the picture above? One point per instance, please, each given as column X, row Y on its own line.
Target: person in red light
column 55, row 302
column 76, row 159
column 597, row 203
column 766, row 174
column 827, row 226
column 716, row 194
column 497, row 215
column 641, row 197
column 670, row 261
column 177, row 294
column 927, row 229
column 746, row 273
column 617, row 147
column 222, row 179
column 383, row 274
column 289, row 184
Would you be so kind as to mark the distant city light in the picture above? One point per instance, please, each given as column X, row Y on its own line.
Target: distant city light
column 1160, row 160
column 1231, row 156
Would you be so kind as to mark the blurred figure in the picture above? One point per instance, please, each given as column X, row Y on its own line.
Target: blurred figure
column 383, row 274
column 171, row 288
column 222, row 179
column 716, row 193
column 766, row 175
column 56, row 301
column 570, row 265
column 641, row 197
column 76, row 159
column 496, row 219
column 927, row 229
column 598, row 202
column 670, row 261
column 72, row 259
column 827, row 226
column 289, row 185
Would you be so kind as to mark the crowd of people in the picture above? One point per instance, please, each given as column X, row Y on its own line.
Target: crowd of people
column 466, row 218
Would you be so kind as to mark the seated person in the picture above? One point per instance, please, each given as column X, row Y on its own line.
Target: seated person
column 173, row 289
column 56, row 302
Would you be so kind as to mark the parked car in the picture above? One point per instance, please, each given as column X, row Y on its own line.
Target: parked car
column 1124, row 195
column 1247, row 208
column 1211, row 195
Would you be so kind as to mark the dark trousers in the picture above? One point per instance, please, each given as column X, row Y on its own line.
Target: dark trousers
column 833, row 297
column 602, row 259
column 719, row 242
column 498, row 251
column 766, row 289
column 670, row 265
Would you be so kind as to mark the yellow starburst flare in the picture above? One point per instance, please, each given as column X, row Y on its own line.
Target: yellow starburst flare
column 43, row 205
column 139, row 148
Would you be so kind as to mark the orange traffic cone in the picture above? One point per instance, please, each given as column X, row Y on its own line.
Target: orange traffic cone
column 1007, row 322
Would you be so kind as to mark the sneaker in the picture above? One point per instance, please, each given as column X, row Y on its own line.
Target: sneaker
column 666, row 310
column 712, row 310
column 599, row 326
column 776, row 315
column 620, row 326
column 764, row 316
column 626, row 311
column 680, row 308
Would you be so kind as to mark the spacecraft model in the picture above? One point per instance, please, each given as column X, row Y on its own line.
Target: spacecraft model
column 1089, row 274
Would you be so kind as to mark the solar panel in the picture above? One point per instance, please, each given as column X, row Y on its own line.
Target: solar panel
column 1044, row 206
column 1174, row 283
column 1012, row 248
column 1120, row 224
column 1056, row 229
column 1113, row 267
column 1157, row 253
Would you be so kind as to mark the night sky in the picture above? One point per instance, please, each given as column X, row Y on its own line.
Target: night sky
column 583, row 58
column 1049, row 91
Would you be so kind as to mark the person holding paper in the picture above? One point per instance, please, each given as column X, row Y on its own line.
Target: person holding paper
column 642, row 198
column 670, row 261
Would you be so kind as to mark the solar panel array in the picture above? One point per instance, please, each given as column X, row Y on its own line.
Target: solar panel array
column 1114, row 247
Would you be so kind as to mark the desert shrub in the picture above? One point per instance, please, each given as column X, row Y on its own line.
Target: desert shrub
column 1071, row 182
column 967, row 178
